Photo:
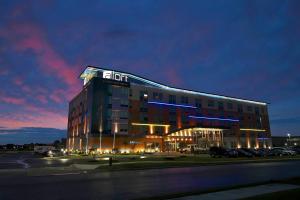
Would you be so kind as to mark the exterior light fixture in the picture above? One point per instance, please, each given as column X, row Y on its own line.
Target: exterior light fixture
column 252, row 129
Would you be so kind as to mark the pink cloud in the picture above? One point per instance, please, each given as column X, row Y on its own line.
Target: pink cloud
column 29, row 36
column 47, row 119
column 12, row 100
column 42, row 99
column 57, row 96
column 173, row 77
column 18, row 81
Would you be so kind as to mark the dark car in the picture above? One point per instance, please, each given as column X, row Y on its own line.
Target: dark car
column 263, row 152
column 233, row 153
column 222, row 152
column 243, row 153
column 253, row 152
column 218, row 152
column 296, row 149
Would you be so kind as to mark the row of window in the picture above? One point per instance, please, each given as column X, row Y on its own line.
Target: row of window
column 198, row 102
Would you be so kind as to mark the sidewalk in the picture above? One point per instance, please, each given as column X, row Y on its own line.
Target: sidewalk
column 242, row 192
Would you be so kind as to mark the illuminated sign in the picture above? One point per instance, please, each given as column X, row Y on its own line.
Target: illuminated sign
column 115, row 76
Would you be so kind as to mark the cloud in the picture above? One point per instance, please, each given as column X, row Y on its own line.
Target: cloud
column 30, row 37
column 31, row 135
column 12, row 100
column 173, row 77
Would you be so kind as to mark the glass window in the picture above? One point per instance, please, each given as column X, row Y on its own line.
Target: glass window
column 210, row 103
column 160, row 96
column 220, row 106
column 184, row 100
column 229, row 106
column 198, row 103
column 172, row 99
column 240, row 108
column 256, row 110
column 157, row 96
column 143, row 96
column 249, row 108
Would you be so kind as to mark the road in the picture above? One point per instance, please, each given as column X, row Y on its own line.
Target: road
column 142, row 183
column 21, row 160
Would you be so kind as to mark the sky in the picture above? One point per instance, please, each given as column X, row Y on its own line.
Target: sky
column 243, row 48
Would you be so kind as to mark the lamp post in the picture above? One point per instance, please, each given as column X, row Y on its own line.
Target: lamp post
column 100, row 131
column 114, row 139
column 289, row 140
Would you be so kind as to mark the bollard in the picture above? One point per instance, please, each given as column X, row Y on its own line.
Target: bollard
column 110, row 161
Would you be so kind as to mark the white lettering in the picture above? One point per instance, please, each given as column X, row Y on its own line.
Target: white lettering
column 114, row 76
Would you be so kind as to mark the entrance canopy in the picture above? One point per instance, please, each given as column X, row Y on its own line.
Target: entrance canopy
column 202, row 137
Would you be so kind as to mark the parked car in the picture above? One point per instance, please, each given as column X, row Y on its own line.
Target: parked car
column 55, row 153
column 263, row 152
column 243, row 153
column 42, row 150
column 280, row 151
column 233, row 153
column 222, row 152
column 254, row 152
column 218, row 152
column 296, row 149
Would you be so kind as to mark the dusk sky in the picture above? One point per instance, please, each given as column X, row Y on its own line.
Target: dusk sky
column 248, row 49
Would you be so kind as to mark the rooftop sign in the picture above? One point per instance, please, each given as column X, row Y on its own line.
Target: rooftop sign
column 114, row 76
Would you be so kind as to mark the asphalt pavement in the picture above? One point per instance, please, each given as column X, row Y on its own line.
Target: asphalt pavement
column 138, row 184
column 24, row 160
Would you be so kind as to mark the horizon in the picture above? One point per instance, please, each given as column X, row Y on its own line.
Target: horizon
column 257, row 57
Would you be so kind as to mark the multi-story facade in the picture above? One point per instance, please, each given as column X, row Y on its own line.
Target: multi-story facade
column 130, row 113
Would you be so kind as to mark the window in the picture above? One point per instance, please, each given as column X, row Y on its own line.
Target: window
column 143, row 96
column 160, row 96
column 249, row 108
column 256, row 110
column 124, row 103
column 220, row 106
column 184, row 100
column 198, row 103
column 240, row 108
column 123, row 115
column 229, row 106
column 172, row 99
column 143, row 109
column 210, row 103
column 157, row 96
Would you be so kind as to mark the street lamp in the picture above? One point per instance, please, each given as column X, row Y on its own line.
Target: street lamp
column 289, row 136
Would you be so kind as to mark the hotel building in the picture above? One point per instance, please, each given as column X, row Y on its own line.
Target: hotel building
column 125, row 112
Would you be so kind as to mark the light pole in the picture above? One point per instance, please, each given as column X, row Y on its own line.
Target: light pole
column 289, row 136
column 115, row 131
column 100, row 131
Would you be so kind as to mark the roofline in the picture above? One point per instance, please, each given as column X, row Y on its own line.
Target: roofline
column 193, row 91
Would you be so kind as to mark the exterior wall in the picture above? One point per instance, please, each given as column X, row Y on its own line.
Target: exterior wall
column 251, row 116
column 111, row 107
column 124, row 143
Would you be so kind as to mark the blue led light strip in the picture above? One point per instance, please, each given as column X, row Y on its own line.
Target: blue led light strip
column 263, row 138
column 214, row 118
column 171, row 104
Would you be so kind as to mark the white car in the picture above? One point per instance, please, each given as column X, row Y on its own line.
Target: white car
column 283, row 151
